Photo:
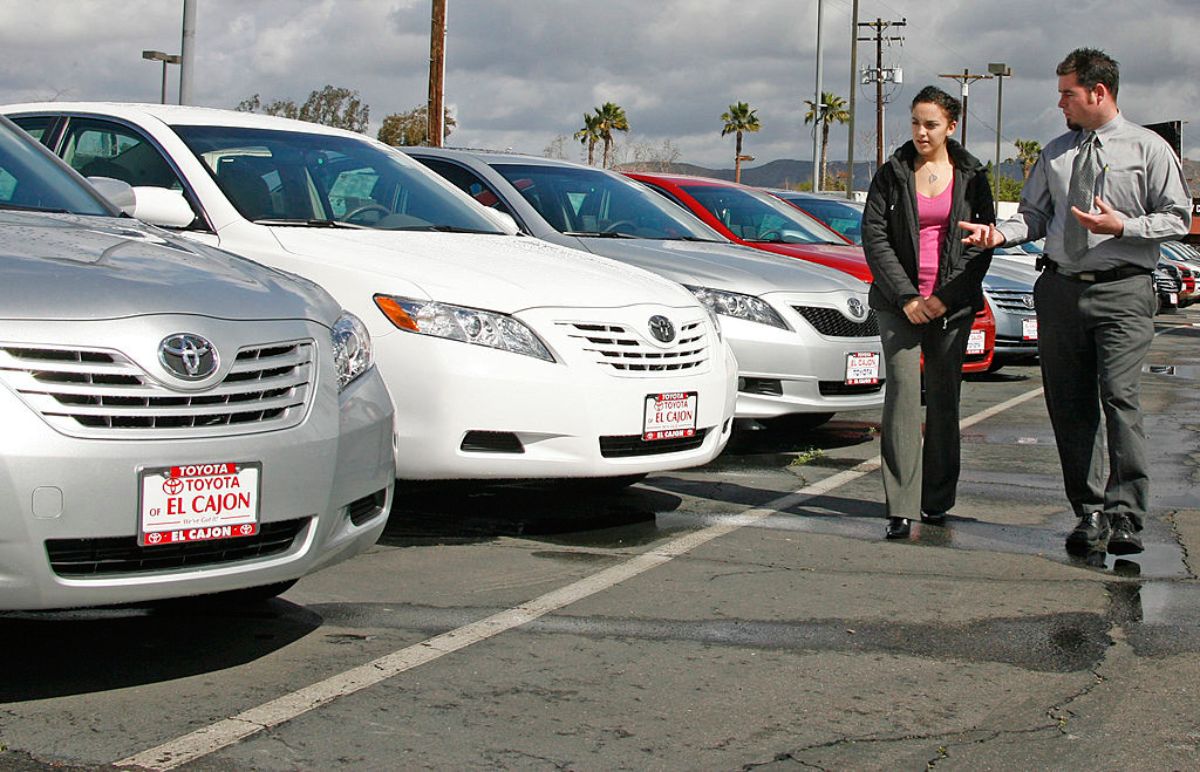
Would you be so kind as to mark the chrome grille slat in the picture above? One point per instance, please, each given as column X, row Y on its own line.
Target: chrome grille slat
column 615, row 346
column 96, row 393
column 1012, row 300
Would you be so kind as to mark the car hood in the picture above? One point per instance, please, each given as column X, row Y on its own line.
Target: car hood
column 498, row 273
column 1009, row 274
column 724, row 266
column 847, row 258
column 72, row 267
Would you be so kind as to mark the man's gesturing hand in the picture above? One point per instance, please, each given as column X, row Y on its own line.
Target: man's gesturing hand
column 1107, row 222
column 981, row 235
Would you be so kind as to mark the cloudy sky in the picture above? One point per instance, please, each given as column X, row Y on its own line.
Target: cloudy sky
column 521, row 73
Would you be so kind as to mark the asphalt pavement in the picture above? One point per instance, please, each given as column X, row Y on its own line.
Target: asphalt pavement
column 743, row 615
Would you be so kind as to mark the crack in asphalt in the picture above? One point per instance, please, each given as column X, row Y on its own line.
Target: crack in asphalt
column 1171, row 519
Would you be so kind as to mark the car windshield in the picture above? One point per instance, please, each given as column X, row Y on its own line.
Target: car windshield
column 300, row 178
column 30, row 179
column 761, row 217
column 843, row 218
column 587, row 202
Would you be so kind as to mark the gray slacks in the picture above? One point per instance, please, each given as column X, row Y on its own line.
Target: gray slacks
column 1092, row 340
column 921, row 477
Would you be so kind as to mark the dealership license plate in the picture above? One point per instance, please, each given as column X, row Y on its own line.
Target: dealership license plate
column 670, row 416
column 976, row 342
column 1029, row 329
column 862, row 368
column 198, row 502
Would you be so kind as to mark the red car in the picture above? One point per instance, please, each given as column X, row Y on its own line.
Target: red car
column 754, row 218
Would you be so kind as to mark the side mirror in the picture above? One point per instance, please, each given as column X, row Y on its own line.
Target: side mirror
column 118, row 192
column 505, row 220
column 162, row 207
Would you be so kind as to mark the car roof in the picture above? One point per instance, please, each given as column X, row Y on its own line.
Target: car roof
column 492, row 156
column 179, row 115
column 687, row 179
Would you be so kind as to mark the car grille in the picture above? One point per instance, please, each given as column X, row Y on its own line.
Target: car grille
column 832, row 323
column 103, row 394
column 1013, row 301
column 1166, row 283
column 116, row 555
column 840, row 389
column 617, row 347
column 624, row 446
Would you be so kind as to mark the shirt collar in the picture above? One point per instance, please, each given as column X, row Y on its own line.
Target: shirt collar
column 1108, row 130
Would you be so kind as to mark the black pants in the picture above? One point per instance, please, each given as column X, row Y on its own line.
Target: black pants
column 1093, row 340
column 921, row 476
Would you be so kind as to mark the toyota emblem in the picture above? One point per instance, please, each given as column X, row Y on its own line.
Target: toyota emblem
column 188, row 356
column 856, row 308
column 1027, row 301
column 662, row 329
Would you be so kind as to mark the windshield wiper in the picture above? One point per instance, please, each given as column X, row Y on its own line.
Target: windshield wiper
column 446, row 229
column 601, row 234
column 312, row 223
column 19, row 208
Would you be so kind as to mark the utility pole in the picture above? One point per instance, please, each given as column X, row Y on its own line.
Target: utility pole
column 879, row 75
column 437, row 73
column 965, row 80
column 818, row 104
column 187, row 52
column 853, row 95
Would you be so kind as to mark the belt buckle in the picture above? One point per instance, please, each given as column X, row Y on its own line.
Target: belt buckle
column 1088, row 276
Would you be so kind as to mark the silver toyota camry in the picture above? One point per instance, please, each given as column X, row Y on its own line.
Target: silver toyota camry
column 177, row 421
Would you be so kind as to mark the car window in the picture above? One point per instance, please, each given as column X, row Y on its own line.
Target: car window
column 468, row 182
column 765, row 219
column 31, row 179
column 589, row 202
column 311, row 178
column 843, row 218
column 35, row 126
column 96, row 148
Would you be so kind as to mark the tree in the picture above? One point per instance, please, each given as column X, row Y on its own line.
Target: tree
column 831, row 110
column 612, row 118
column 1008, row 188
column 1028, row 151
column 738, row 120
column 589, row 135
column 556, row 148
column 411, row 128
column 330, row 106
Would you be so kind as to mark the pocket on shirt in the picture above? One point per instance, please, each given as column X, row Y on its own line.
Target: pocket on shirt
column 1123, row 190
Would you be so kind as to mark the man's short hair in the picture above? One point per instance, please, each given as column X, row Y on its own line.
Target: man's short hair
column 1091, row 66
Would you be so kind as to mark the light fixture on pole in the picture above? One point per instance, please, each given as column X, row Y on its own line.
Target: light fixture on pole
column 1000, row 71
column 159, row 56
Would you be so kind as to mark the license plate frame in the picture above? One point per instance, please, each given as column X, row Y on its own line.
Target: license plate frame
column 670, row 415
column 198, row 502
column 1029, row 329
column 862, row 368
column 976, row 342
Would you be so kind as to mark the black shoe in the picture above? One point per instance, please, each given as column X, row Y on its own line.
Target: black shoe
column 898, row 527
column 1091, row 535
column 933, row 518
column 1123, row 540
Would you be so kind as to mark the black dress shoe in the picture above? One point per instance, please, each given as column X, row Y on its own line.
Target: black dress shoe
column 898, row 527
column 933, row 518
column 1090, row 535
column 1123, row 539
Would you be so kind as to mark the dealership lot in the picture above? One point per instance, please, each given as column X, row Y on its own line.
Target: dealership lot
column 741, row 614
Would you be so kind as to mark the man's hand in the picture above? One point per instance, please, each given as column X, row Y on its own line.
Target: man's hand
column 1108, row 222
column 981, row 235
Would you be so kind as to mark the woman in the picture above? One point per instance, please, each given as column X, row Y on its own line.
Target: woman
column 927, row 288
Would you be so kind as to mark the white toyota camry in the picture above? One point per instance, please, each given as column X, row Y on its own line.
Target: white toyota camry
column 506, row 357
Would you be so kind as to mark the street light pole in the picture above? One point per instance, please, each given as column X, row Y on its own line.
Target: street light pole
column 159, row 56
column 1001, row 71
column 818, row 103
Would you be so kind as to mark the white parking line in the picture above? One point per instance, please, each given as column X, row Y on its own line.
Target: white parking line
column 224, row 733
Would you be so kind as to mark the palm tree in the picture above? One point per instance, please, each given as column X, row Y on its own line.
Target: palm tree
column 611, row 118
column 738, row 119
column 831, row 110
column 589, row 135
column 1028, row 151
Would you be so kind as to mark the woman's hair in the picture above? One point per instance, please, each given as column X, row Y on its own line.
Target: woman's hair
column 934, row 95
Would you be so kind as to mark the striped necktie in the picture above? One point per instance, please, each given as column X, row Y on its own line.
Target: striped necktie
column 1080, row 195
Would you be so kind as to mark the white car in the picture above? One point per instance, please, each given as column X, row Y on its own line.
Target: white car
column 506, row 357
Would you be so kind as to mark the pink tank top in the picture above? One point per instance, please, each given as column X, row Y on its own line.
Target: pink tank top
column 933, row 216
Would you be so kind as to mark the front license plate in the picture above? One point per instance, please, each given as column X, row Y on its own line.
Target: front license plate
column 975, row 342
column 1173, row 298
column 198, row 502
column 862, row 368
column 670, row 416
column 1029, row 329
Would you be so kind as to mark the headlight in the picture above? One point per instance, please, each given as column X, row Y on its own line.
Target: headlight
column 469, row 325
column 351, row 348
column 739, row 306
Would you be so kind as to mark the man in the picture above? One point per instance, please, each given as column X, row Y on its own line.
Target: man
column 1103, row 195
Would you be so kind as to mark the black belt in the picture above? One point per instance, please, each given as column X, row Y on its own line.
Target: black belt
column 1092, row 277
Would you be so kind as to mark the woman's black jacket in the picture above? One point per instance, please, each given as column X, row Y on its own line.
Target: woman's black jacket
column 891, row 238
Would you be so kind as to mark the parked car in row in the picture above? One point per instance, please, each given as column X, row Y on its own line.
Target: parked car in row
column 1186, row 261
column 506, row 357
column 1167, row 285
column 839, row 213
column 806, row 343
column 177, row 421
column 754, row 218
column 1008, row 290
